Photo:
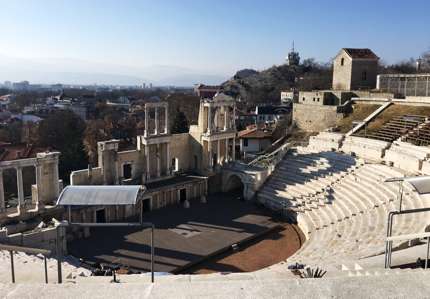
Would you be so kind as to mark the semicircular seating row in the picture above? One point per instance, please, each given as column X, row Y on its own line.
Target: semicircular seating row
column 341, row 204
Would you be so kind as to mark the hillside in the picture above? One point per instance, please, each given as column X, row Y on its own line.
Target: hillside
column 265, row 86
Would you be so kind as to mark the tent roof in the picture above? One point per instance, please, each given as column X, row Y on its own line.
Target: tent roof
column 99, row 195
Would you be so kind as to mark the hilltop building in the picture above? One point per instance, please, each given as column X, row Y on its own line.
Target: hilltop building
column 355, row 69
column 206, row 91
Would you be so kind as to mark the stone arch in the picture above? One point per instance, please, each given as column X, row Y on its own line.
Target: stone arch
column 234, row 184
column 237, row 183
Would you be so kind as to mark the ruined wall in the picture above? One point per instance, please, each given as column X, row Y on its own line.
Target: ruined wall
column 315, row 118
column 197, row 161
column 180, row 148
column 92, row 176
column 45, row 238
column 136, row 159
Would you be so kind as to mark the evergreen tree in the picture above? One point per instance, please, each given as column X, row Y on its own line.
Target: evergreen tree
column 64, row 131
column 180, row 123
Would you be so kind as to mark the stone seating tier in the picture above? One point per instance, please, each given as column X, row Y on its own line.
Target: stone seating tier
column 340, row 203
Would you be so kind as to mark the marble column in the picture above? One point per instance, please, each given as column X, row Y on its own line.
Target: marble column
column 234, row 149
column 146, row 132
column 20, row 186
column 216, row 119
column 157, row 128
column 218, row 152
column 148, row 174
column 158, row 160
column 2, row 201
column 225, row 118
column 56, row 178
column 234, row 118
column 39, row 202
column 166, row 117
column 209, row 129
column 210, row 154
column 226, row 158
column 168, row 162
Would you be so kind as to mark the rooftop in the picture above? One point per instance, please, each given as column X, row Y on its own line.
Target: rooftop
column 364, row 53
column 253, row 132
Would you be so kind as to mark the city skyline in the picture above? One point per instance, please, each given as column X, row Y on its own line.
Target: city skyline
column 170, row 42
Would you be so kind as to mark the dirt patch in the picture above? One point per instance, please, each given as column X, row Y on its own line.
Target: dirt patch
column 360, row 112
column 270, row 249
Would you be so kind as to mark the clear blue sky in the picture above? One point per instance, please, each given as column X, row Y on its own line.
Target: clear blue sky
column 218, row 36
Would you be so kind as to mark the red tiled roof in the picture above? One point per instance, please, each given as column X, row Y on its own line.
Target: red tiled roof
column 254, row 133
column 21, row 151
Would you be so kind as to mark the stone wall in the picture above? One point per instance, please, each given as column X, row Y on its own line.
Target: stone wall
column 44, row 238
column 370, row 67
column 315, row 118
column 180, row 148
column 91, row 176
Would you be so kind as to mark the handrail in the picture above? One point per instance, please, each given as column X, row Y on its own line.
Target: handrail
column 12, row 248
column 389, row 242
column 270, row 155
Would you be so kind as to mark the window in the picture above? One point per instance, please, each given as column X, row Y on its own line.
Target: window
column 303, row 99
column 245, row 142
column 318, row 99
column 364, row 76
column 126, row 171
column 175, row 164
column 342, row 61
column 314, row 99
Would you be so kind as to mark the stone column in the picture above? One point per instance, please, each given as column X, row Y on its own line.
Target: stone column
column 20, row 186
column 234, row 150
column 167, row 126
column 157, row 129
column 168, row 162
column 148, row 174
column 226, row 158
column 209, row 130
column 218, row 152
column 146, row 132
column 225, row 118
column 216, row 119
column 158, row 160
column 39, row 202
column 2, row 201
column 210, row 154
column 56, row 178
column 234, row 118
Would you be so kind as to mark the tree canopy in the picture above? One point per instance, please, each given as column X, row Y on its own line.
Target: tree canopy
column 63, row 131
column 180, row 123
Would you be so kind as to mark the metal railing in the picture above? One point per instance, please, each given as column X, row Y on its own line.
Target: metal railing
column 389, row 242
column 273, row 157
column 13, row 248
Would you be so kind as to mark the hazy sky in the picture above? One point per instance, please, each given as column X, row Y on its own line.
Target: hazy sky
column 213, row 37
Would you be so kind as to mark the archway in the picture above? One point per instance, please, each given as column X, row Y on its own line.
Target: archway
column 235, row 186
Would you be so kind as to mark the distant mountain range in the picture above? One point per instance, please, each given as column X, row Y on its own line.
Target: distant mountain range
column 73, row 71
